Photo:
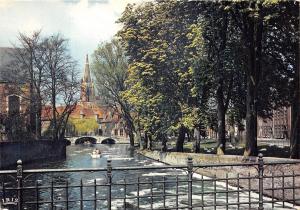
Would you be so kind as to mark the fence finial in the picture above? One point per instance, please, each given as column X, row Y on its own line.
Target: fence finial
column 190, row 161
column 260, row 180
column 19, row 169
column 19, row 184
column 109, row 183
column 109, row 167
column 190, row 182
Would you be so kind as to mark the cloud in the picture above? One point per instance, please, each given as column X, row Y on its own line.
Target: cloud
column 85, row 23
column 5, row 3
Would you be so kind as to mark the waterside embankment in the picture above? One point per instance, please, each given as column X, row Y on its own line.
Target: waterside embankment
column 180, row 158
column 30, row 150
column 239, row 175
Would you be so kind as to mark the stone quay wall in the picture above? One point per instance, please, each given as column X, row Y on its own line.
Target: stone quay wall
column 179, row 158
column 29, row 151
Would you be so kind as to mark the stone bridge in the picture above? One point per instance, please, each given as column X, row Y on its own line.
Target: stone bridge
column 99, row 139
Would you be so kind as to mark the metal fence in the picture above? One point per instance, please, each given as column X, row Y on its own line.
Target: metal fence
column 181, row 189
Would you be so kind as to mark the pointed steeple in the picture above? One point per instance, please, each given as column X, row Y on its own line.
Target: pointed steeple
column 87, row 74
column 87, row 85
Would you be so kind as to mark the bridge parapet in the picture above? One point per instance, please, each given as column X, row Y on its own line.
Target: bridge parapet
column 119, row 140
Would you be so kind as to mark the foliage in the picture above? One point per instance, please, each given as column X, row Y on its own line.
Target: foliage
column 110, row 69
column 191, row 62
column 160, row 79
column 84, row 125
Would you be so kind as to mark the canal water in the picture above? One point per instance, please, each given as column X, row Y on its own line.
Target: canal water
column 78, row 156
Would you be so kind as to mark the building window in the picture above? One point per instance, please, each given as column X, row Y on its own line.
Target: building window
column 121, row 132
column 13, row 105
column 116, row 132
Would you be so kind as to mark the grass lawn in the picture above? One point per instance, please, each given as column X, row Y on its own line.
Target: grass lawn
column 209, row 147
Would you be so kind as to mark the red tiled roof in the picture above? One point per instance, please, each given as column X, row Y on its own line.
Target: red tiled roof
column 87, row 109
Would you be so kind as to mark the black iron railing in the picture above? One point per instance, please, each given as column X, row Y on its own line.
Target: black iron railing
column 179, row 188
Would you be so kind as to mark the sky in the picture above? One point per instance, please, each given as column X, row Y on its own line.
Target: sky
column 85, row 23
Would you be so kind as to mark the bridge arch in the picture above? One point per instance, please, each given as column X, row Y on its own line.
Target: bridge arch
column 108, row 141
column 88, row 139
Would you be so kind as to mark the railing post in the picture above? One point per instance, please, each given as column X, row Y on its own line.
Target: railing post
column 260, row 180
column 190, row 182
column 109, row 182
column 19, row 183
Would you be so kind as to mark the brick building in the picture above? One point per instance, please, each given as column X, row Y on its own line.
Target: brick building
column 279, row 126
column 276, row 127
column 13, row 102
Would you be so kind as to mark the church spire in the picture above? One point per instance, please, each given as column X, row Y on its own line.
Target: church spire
column 87, row 85
column 87, row 74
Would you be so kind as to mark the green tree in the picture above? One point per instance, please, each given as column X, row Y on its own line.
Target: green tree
column 267, row 68
column 110, row 67
column 216, row 63
column 83, row 126
column 159, row 75
column 187, row 57
column 295, row 88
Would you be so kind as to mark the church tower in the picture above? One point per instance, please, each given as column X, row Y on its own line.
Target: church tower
column 87, row 86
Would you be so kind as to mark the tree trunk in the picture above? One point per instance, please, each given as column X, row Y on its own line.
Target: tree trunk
column 251, row 122
column 197, row 137
column 129, row 122
column 188, row 135
column 53, row 101
column 295, row 129
column 251, row 116
column 130, row 129
column 139, row 134
column 54, row 131
column 32, row 126
column 131, row 138
column 163, row 143
column 140, row 139
column 32, row 98
column 149, row 145
column 180, row 139
column 295, row 133
column 221, row 120
column 221, row 110
column 38, row 131
column 145, row 142
column 254, row 34
column 63, row 125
